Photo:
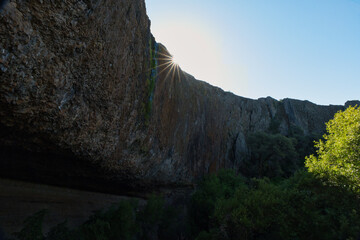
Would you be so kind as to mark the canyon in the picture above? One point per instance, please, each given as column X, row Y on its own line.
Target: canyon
column 87, row 101
column 90, row 100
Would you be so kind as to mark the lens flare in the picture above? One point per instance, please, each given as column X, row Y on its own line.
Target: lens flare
column 174, row 61
column 167, row 63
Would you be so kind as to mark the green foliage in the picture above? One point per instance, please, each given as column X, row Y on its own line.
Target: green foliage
column 272, row 155
column 298, row 208
column 59, row 232
column 32, row 229
column 267, row 210
column 212, row 189
column 118, row 222
column 304, row 144
column 256, row 212
column 338, row 155
column 274, row 126
column 151, row 216
column 214, row 234
column 125, row 220
column 98, row 229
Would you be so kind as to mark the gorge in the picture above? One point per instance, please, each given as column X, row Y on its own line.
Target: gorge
column 87, row 101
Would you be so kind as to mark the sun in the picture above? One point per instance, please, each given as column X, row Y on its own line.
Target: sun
column 168, row 63
column 196, row 48
column 174, row 61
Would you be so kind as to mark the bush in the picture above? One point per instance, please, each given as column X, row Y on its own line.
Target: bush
column 210, row 190
column 125, row 220
column 298, row 208
column 59, row 232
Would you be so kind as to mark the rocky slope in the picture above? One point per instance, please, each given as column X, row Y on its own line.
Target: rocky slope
column 86, row 101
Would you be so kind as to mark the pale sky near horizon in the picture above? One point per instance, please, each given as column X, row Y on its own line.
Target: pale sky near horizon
column 308, row 50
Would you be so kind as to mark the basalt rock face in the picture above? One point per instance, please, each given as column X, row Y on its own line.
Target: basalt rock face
column 202, row 128
column 72, row 77
column 87, row 100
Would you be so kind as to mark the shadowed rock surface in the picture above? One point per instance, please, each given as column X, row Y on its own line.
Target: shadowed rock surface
column 81, row 104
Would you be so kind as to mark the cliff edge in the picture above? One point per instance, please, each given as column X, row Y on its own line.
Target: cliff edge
column 87, row 101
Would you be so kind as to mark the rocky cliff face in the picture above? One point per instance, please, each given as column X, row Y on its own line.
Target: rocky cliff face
column 202, row 128
column 86, row 100
column 72, row 78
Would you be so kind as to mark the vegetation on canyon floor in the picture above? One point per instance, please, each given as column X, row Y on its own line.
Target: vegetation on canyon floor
column 302, row 207
column 275, row 198
column 126, row 220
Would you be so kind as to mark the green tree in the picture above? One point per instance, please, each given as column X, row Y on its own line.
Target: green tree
column 211, row 189
column 300, row 207
column 272, row 155
column 338, row 155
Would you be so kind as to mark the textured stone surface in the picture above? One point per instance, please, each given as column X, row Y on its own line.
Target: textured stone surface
column 72, row 71
column 77, row 106
column 201, row 128
column 72, row 76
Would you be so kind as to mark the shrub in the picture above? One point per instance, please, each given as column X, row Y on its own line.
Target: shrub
column 59, row 232
column 210, row 190
column 125, row 220
column 298, row 208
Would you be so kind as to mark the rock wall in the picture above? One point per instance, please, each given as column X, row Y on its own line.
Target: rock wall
column 72, row 70
column 200, row 128
column 72, row 77
column 87, row 100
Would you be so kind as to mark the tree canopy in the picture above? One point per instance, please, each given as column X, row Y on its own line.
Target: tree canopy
column 338, row 155
column 272, row 155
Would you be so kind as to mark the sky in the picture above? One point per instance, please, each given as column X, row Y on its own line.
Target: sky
column 302, row 49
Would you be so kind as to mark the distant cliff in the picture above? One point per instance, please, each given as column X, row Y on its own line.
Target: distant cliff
column 86, row 101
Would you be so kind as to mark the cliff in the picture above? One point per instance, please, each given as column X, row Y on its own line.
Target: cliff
column 87, row 100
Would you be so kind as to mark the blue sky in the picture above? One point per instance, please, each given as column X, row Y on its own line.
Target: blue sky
column 303, row 49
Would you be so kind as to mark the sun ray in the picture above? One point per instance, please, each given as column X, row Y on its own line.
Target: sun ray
column 163, row 54
column 169, row 65
column 178, row 72
column 166, row 63
column 164, row 59
column 173, row 72
column 160, row 65
column 169, row 72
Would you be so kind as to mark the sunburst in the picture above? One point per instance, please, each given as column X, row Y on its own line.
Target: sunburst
column 168, row 64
